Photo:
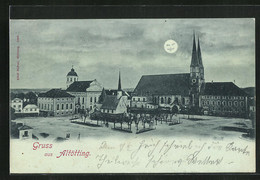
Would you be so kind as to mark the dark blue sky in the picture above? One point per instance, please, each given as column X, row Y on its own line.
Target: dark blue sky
column 99, row 48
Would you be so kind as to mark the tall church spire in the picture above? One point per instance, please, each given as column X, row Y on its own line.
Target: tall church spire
column 119, row 83
column 199, row 54
column 194, row 57
column 119, row 90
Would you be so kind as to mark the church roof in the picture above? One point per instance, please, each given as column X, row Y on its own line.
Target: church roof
column 110, row 102
column 194, row 55
column 55, row 93
column 164, row 84
column 222, row 89
column 79, row 86
column 72, row 73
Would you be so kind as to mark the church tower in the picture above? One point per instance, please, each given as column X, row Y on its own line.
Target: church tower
column 71, row 77
column 119, row 89
column 196, row 73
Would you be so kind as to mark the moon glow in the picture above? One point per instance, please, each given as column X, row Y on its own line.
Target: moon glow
column 170, row 46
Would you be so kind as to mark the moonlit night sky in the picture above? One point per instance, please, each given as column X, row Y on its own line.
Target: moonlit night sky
column 98, row 48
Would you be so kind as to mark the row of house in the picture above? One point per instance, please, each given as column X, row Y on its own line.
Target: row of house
column 30, row 109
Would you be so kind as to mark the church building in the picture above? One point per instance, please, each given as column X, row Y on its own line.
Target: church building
column 114, row 104
column 86, row 93
column 189, row 90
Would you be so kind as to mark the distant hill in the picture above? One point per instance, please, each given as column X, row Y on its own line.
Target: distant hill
column 250, row 91
column 16, row 91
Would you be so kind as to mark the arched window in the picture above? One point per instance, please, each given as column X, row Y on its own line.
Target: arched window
column 183, row 100
column 95, row 100
column 90, row 99
column 169, row 100
column 58, row 107
column 242, row 103
column 161, row 100
column 235, row 103
column 83, row 100
column 70, row 79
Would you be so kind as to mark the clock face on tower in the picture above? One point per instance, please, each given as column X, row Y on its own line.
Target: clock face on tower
column 193, row 80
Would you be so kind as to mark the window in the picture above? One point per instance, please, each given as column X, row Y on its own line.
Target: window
column 51, row 107
column 67, row 106
column 161, row 100
column 107, row 111
column 48, row 106
column 58, row 107
column 70, row 106
column 169, row 100
column 26, row 134
column 183, row 100
column 235, row 103
column 95, row 100
column 213, row 102
column 133, row 99
column 44, row 106
column 74, row 79
column 229, row 103
column 30, row 109
column 142, row 106
column 67, row 79
column 83, row 107
column 90, row 99
column 219, row 103
column 19, row 106
column 90, row 107
column 207, row 102
column 62, row 106
column 83, row 100
column 14, row 106
column 112, row 111
column 242, row 103
column 70, row 79
column 138, row 99
column 79, row 100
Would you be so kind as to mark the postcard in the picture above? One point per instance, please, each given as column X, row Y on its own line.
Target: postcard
column 132, row 95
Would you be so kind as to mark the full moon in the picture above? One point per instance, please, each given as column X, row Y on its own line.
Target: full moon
column 170, row 46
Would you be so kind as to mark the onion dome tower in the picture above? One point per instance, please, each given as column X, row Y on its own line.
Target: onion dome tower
column 72, row 76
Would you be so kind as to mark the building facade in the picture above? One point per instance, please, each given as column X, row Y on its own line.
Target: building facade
column 114, row 104
column 17, row 104
column 31, row 109
column 223, row 99
column 56, row 102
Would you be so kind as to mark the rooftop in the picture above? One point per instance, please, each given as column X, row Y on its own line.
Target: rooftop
column 222, row 88
column 55, row 93
column 163, row 84
column 79, row 86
